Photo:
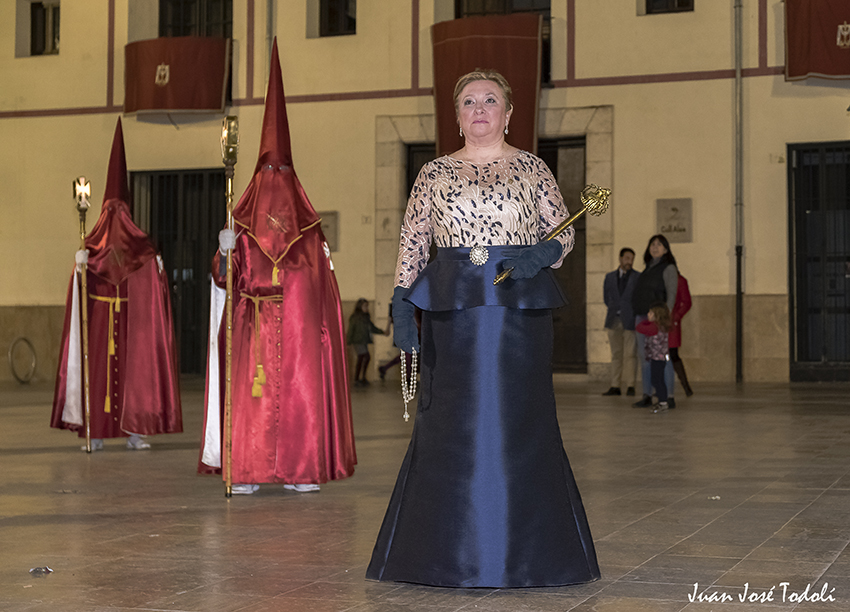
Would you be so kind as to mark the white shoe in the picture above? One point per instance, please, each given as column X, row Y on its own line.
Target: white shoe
column 244, row 489
column 302, row 488
column 96, row 444
column 137, row 443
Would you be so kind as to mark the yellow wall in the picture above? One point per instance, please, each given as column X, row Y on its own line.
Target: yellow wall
column 615, row 41
column 670, row 139
column 75, row 77
column 377, row 58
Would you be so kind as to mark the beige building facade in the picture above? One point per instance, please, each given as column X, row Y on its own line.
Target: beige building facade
column 653, row 96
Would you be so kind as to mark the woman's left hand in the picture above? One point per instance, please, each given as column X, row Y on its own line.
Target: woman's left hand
column 534, row 258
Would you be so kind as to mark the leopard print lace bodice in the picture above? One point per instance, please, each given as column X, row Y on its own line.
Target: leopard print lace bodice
column 456, row 203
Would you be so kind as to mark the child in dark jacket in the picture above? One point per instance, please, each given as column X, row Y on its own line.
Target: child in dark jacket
column 360, row 330
column 656, row 329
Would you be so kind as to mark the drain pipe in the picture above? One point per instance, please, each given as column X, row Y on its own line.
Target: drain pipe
column 739, row 196
column 269, row 34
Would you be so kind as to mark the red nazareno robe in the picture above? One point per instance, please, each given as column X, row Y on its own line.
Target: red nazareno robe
column 291, row 405
column 133, row 374
column 133, row 369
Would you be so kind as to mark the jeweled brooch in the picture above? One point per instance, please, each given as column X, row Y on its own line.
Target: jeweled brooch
column 479, row 255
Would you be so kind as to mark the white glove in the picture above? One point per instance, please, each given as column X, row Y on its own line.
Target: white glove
column 81, row 257
column 226, row 240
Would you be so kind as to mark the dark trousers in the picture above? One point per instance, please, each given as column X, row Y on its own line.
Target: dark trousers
column 656, row 369
column 362, row 364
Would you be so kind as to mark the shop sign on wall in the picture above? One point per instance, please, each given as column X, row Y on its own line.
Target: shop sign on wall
column 674, row 219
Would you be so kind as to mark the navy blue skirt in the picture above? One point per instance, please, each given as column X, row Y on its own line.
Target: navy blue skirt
column 485, row 496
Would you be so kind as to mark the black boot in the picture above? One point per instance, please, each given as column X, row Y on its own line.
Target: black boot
column 679, row 368
column 646, row 402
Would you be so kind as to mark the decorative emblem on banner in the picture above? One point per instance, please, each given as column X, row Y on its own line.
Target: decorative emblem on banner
column 162, row 75
column 843, row 38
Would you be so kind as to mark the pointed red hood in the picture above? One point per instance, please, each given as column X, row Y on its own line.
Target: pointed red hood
column 274, row 208
column 117, row 187
column 117, row 247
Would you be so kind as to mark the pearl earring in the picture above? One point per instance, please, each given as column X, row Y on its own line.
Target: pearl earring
column 461, row 132
column 506, row 129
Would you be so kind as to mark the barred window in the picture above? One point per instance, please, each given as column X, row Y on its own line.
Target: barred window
column 196, row 18
column 337, row 17
column 44, row 28
column 668, row 6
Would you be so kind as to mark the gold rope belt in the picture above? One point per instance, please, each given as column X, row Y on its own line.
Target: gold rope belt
column 260, row 378
column 114, row 306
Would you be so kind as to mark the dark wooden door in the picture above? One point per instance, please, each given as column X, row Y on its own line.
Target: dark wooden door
column 182, row 212
column 566, row 160
column 819, row 275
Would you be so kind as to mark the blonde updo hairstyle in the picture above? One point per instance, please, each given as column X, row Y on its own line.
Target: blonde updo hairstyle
column 484, row 75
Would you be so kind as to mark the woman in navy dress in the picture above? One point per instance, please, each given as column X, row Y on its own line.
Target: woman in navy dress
column 485, row 496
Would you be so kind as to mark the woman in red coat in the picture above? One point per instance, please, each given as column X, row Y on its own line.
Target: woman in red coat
column 680, row 309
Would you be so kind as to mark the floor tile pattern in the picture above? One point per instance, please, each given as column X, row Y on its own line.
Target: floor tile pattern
column 739, row 499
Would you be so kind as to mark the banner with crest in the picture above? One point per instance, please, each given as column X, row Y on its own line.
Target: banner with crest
column 510, row 44
column 817, row 39
column 173, row 75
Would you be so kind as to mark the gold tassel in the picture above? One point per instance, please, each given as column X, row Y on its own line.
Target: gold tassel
column 259, row 381
column 275, row 279
column 106, row 405
column 111, row 344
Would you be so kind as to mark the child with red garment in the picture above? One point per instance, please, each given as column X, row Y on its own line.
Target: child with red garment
column 656, row 328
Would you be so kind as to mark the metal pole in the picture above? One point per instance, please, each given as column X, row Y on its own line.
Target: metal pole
column 229, row 149
column 82, row 189
column 270, row 27
column 739, row 196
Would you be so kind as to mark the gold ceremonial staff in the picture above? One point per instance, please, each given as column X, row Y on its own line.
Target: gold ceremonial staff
column 82, row 191
column 595, row 200
column 229, row 149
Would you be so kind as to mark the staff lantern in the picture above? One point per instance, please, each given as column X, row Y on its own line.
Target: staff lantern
column 82, row 192
column 229, row 150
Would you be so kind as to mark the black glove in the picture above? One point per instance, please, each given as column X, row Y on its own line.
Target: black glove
column 535, row 258
column 405, row 333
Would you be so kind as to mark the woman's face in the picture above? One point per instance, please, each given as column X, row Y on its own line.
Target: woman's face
column 656, row 249
column 482, row 112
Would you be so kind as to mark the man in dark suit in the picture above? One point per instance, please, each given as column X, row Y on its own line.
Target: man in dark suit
column 620, row 323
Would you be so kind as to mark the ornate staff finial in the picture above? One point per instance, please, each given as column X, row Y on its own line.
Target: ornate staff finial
column 595, row 201
column 82, row 193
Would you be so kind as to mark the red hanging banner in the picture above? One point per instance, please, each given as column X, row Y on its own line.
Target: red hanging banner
column 172, row 75
column 509, row 44
column 817, row 39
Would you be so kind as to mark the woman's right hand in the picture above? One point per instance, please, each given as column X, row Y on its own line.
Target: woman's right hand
column 534, row 258
column 405, row 333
